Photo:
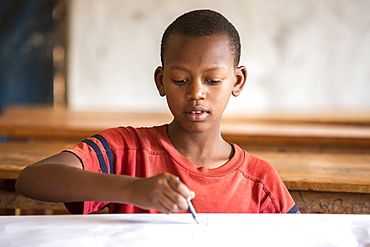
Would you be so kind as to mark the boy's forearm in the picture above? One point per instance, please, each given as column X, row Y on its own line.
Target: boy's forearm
column 61, row 178
column 62, row 183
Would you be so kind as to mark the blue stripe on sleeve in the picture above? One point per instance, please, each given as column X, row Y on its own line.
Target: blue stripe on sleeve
column 97, row 150
column 293, row 210
column 108, row 151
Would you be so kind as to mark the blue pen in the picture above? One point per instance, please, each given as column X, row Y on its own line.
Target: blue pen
column 192, row 211
column 191, row 208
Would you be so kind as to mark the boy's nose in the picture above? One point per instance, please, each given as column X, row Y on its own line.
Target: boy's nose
column 195, row 91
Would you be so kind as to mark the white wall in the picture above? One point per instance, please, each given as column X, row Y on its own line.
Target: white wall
column 303, row 54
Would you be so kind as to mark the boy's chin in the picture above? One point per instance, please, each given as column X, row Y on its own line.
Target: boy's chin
column 193, row 127
column 196, row 127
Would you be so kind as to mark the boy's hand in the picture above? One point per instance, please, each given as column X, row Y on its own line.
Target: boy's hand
column 163, row 192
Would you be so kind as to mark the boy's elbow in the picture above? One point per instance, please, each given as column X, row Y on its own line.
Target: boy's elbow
column 22, row 184
column 19, row 184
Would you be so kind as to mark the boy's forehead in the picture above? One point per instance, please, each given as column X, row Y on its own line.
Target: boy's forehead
column 175, row 39
column 184, row 47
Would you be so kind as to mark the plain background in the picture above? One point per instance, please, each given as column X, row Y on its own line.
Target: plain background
column 300, row 55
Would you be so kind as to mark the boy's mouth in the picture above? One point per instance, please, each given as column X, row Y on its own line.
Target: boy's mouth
column 196, row 114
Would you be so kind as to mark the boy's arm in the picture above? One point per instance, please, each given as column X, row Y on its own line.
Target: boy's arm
column 61, row 178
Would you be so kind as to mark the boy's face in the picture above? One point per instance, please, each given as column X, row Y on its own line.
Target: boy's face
column 198, row 78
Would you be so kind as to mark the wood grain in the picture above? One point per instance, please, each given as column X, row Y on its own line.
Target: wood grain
column 331, row 202
column 334, row 172
column 13, row 200
column 15, row 156
column 45, row 123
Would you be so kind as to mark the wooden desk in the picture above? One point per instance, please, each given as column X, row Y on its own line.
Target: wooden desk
column 14, row 157
column 324, row 182
column 45, row 123
column 318, row 182
column 325, row 132
column 181, row 230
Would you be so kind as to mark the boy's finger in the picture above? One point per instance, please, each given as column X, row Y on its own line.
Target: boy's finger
column 168, row 205
column 180, row 187
column 192, row 194
column 178, row 199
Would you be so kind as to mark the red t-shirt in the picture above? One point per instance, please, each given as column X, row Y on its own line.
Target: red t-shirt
column 245, row 184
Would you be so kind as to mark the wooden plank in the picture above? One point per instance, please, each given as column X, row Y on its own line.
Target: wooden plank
column 307, row 202
column 47, row 123
column 341, row 172
column 338, row 117
column 26, row 112
column 15, row 156
column 331, row 202
column 12, row 200
column 20, row 123
column 316, row 137
column 332, row 172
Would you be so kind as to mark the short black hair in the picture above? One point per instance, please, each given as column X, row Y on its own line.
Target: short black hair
column 200, row 23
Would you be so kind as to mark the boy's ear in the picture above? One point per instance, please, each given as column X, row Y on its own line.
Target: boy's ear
column 241, row 78
column 158, row 78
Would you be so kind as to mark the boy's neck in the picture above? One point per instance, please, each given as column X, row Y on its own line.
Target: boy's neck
column 206, row 149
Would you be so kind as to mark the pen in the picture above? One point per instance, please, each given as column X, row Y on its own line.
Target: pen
column 192, row 211
column 191, row 208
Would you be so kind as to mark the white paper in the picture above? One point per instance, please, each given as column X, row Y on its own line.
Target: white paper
column 181, row 230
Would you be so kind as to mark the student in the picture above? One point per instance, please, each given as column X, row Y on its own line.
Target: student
column 157, row 169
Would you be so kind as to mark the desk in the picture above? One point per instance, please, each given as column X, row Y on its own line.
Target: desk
column 181, row 230
column 318, row 182
column 45, row 123
column 14, row 157
column 349, row 132
column 324, row 182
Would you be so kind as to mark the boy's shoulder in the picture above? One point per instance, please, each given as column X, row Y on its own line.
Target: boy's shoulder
column 132, row 132
column 129, row 135
column 257, row 169
column 119, row 139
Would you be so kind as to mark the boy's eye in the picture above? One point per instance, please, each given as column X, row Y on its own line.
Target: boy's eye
column 214, row 81
column 180, row 81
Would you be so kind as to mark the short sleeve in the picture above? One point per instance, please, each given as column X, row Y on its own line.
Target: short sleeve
column 277, row 196
column 95, row 155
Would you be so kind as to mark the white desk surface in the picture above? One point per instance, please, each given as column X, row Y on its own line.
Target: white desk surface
column 180, row 230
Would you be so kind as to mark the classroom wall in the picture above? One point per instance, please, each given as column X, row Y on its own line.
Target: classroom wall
column 300, row 55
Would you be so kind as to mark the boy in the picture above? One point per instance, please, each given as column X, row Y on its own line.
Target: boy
column 157, row 169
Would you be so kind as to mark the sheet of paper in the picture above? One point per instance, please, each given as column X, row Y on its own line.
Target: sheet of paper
column 181, row 230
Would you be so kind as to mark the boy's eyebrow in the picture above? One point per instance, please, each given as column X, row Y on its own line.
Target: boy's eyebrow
column 176, row 67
